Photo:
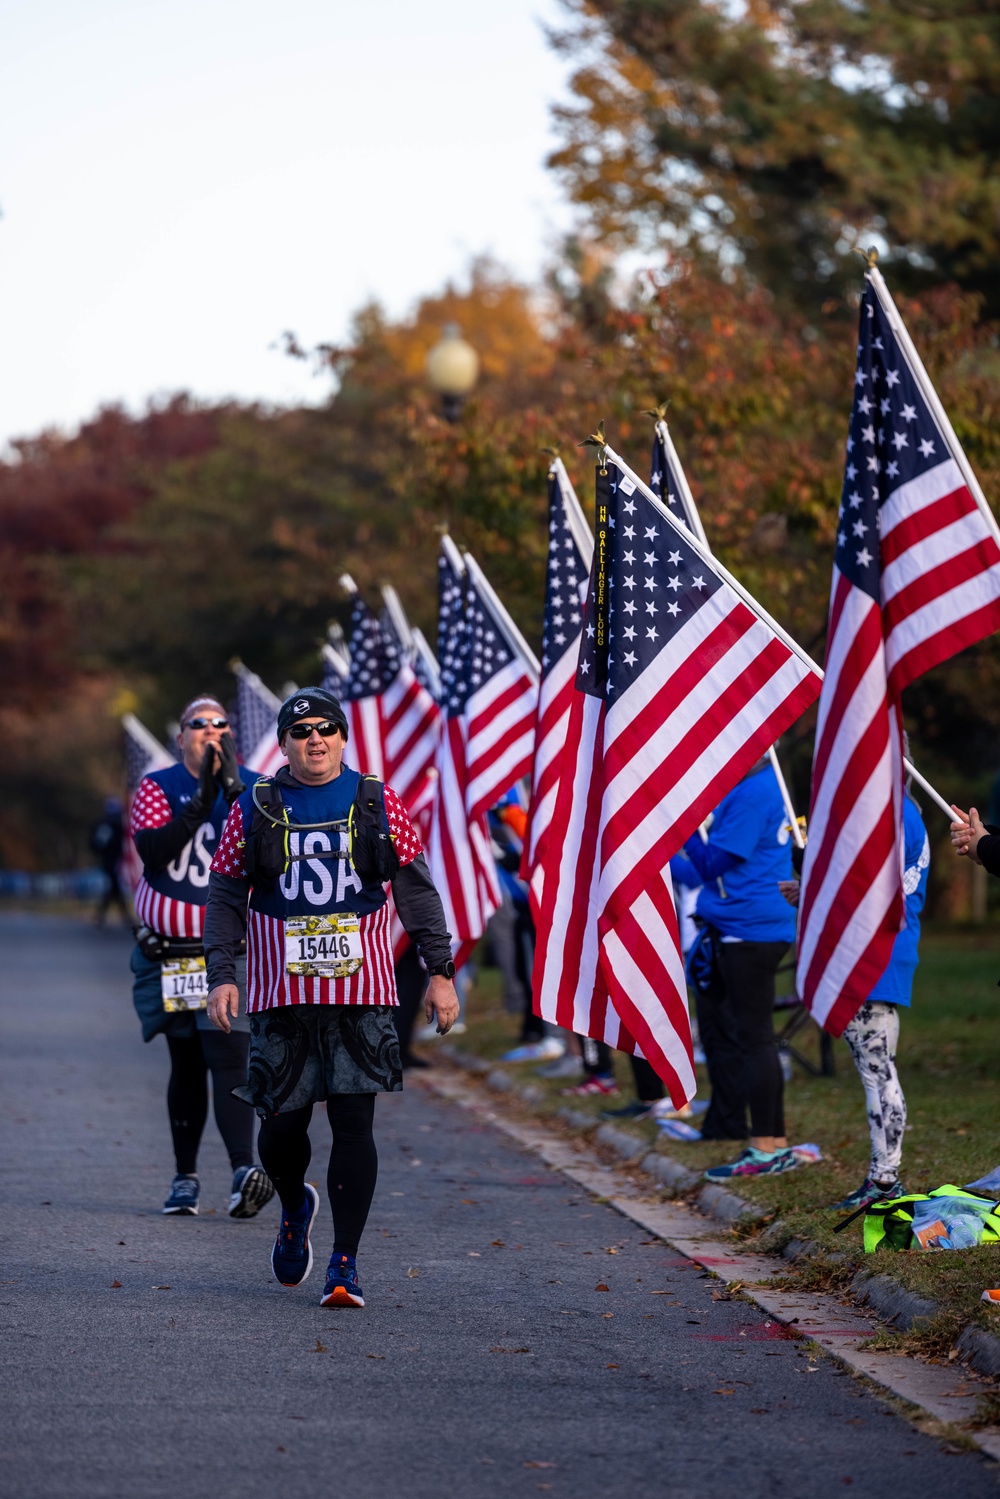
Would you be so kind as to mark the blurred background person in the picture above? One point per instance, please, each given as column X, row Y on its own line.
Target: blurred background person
column 107, row 841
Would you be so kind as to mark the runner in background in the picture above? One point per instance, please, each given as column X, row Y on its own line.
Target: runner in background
column 107, row 841
column 177, row 817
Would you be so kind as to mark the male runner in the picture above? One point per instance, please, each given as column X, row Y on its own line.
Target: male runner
column 177, row 816
column 313, row 850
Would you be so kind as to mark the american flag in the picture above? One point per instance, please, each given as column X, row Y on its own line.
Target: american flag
column 916, row 577
column 336, row 670
column 668, row 482
column 411, row 718
column 458, row 851
column 571, row 549
column 683, row 683
column 256, row 722
column 425, row 665
column 375, row 661
column 503, row 697
column 143, row 753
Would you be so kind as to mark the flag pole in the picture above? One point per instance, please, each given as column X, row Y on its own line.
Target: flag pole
column 515, row 639
column 139, row 732
column 663, row 433
column 930, row 395
column 452, row 553
column 398, row 616
column 582, row 533
column 706, row 556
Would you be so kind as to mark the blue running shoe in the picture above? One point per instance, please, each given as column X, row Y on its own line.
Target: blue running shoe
column 292, row 1256
column 183, row 1199
column 342, row 1288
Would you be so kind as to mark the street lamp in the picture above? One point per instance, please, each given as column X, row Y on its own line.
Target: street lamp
column 452, row 369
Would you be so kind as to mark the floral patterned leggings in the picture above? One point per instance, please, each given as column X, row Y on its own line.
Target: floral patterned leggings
column 873, row 1036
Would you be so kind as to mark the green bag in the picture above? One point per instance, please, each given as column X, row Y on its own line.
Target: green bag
column 889, row 1224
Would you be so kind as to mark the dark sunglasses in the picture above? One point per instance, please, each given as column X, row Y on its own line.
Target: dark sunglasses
column 303, row 730
column 206, row 723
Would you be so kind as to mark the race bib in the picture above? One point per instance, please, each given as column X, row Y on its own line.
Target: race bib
column 323, row 947
column 184, row 984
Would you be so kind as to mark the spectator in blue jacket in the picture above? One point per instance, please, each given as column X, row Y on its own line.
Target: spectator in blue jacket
column 873, row 1034
column 749, row 927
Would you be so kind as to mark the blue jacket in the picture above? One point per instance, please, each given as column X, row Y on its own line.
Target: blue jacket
column 895, row 987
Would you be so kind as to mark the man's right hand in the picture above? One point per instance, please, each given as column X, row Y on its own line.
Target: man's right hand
column 223, row 1002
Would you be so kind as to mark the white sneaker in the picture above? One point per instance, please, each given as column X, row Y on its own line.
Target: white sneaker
column 546, row 1050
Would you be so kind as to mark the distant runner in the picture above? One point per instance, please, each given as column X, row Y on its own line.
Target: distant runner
column 177, row 816
column 313, row 850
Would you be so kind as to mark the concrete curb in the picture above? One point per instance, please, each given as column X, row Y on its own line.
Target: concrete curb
column 892, row 1302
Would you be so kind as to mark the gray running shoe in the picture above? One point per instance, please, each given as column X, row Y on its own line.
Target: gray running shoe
column 562, row 1068
column 251, row 1190
column 183, row 1199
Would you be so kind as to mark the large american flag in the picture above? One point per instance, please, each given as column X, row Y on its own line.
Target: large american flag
column 411, row 717
column 683, row 683
column 916, row 577
column 571, row 550
column 503, row 697
column 143, row 753
column 256, row 722
column 668, row 482
column 458, row 851
column 336, row 669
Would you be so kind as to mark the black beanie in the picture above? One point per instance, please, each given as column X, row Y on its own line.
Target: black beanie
column 310, row 702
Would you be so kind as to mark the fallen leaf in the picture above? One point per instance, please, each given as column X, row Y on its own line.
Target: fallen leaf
column 497, row 1243
column 601, row 1286
column 953, row 1355
column 607, row 1314
column 497, row 1348
column 474, row 1255
column 375, row 1355
column 161, row 1288
column 412, row 1273
column 470, row 1202
column 281, row 1449
column 723, row 1392
column 612, row 1366
column 611, row 1251
column 116, row 1285
column 320, row 1347
column 758, row 1410
column 535, row 1463
column 120, row 1243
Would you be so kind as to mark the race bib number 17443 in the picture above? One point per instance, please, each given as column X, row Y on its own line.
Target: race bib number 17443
column 323, row 947
column 183, row 984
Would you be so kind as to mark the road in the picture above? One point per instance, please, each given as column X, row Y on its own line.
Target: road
column 519, row 1337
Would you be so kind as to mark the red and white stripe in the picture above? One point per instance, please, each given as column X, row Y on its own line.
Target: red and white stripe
column 365, row 736
column 411, row 729
column 458, row 851
column 555, row 697
column 269, row 987
column 268, row 756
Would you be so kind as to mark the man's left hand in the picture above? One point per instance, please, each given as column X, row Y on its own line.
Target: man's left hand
column 441, row 1001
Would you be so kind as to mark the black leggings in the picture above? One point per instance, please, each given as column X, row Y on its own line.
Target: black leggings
column 737, row 1031
column 285, row 1153
column 191, row 1060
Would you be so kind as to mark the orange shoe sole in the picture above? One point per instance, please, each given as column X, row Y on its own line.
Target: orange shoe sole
column 340, row 1296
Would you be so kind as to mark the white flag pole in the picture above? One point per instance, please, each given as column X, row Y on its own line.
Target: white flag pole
column 515, row 639
column 751, row 602
column 154, row 749
column 663, row 433
column 930, row 395
column 397, row 614
column 582, row 533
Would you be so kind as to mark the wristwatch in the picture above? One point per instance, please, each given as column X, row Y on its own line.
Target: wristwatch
column 442, row 970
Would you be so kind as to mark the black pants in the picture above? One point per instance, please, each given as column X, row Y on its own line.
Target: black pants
column 191, row 1060
column 735, row 1022
column 285, row 1153
column 411, row 981
column 648, row 1085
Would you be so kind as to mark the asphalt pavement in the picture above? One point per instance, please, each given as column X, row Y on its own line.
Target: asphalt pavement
column 520, row 1337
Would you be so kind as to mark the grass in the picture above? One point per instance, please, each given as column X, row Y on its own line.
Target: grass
column 949, row 1063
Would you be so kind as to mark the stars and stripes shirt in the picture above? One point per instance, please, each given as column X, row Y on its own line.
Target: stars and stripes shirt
column 167, row 914
column 269, row 986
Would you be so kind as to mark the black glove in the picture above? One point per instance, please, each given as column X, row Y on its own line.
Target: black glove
column 228, row 774
column 204, row 798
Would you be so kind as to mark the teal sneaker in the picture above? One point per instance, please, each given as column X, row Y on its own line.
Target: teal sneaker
column 752, row 1162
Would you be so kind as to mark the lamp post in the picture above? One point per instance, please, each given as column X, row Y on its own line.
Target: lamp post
column 452, row 369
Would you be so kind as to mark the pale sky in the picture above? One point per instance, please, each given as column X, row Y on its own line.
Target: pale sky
column 182, row 180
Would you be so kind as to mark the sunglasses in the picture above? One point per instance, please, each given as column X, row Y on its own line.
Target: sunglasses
column 303, row 730
column 207, row 723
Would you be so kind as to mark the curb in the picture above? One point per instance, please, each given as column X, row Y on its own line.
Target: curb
column 895, row 1305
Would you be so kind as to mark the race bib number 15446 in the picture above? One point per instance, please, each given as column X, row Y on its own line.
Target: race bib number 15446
column 323, row 947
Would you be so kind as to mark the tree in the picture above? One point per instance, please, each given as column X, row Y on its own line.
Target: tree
column 779, row 133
